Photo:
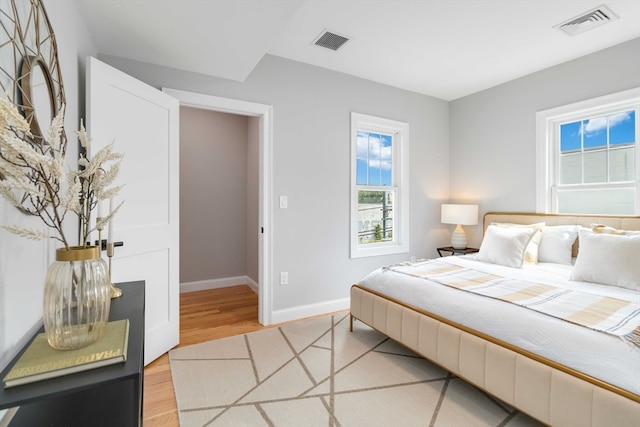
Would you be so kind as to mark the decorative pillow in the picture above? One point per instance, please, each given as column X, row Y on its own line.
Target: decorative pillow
column 505, row 245
column 609, row 259
column 531, row 253
column 556, row 243
column 605, row 229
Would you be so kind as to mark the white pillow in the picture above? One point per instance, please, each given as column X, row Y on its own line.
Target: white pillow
column 609, row 259
column 531, row 252
column 505, row 245
column 556, row 243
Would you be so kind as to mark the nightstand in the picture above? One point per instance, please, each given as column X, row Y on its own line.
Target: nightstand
column 457, row 251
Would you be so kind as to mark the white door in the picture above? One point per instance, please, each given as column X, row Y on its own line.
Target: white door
column 143, row 122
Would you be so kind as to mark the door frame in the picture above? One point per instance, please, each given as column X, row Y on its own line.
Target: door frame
column 265, row 166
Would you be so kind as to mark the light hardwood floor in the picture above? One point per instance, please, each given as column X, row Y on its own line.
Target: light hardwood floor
column 204, row 316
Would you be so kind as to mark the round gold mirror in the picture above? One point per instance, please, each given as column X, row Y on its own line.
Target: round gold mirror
column 38, row 96
column 30, row 74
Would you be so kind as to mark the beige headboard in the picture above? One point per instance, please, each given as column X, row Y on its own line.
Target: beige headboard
column 616, row 221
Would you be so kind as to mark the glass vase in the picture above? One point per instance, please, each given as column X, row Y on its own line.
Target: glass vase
column 77, row 298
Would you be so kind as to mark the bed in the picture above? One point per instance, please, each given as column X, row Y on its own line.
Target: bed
column 555, row 369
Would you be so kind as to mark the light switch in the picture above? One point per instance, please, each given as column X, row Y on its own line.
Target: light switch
column 284, row 203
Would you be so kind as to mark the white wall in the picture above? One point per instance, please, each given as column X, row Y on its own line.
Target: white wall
column 311, row 149
column 493, row 134
column 23, row 263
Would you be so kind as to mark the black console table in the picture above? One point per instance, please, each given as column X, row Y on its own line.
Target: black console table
column 107, row 396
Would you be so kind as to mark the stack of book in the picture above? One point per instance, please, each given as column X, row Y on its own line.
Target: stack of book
column 40, row 361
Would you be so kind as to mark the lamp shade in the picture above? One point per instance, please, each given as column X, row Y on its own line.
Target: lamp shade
column 459, row 214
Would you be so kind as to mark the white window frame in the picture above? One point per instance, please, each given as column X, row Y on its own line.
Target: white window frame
column 400, row 167
column 547, row 157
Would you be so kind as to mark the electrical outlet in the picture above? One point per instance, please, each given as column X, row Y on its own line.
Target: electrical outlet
column 284, row 278
column 284, row 203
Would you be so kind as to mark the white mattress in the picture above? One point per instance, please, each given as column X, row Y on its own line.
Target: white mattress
column 602, row 356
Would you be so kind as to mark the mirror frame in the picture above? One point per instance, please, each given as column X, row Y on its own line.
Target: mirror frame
column 25, row 83
column 29, row 43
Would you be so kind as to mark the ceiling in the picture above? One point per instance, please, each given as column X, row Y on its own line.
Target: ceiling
column 447, row 49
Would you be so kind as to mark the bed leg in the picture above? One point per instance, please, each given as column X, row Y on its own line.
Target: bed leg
column 350, row 322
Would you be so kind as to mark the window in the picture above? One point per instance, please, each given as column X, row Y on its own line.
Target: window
column 379, row 186
column 588, row 156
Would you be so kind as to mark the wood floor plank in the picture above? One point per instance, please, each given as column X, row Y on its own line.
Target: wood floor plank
column 204, row 316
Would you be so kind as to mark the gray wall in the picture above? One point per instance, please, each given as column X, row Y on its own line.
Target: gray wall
column 214, row 152
column 311, row 161
column 493, row 132
column 23, row 263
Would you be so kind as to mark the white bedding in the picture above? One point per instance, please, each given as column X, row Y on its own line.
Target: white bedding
column 602, row 356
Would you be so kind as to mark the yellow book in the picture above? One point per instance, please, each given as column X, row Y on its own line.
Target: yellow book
column 41, row 361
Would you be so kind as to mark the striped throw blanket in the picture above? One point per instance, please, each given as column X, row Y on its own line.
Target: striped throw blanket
column 605, row 314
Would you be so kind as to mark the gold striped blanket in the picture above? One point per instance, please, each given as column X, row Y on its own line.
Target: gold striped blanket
column 605, row 314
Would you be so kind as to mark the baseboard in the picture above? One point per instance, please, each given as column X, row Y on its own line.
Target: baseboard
column 6, row 415
column 224, row 282
column 253, row 285
column 277, row 316
column 302, row 311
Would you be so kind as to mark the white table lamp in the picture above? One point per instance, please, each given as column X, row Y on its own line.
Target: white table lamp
column 459, row 215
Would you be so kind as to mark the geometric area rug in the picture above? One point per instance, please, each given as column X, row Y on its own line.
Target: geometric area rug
column 315, row 372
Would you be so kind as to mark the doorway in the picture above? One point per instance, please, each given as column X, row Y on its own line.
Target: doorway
column 264, row 227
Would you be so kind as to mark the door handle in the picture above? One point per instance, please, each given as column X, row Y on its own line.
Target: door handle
column 103, row 245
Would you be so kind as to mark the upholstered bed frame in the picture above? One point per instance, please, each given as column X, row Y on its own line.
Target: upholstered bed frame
column 545, row 390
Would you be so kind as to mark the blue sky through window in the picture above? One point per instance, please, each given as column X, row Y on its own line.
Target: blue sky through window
column 593, row 132
column 373, row 158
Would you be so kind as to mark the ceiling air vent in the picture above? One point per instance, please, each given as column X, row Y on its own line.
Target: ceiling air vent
column 592, row 19
column 330, row 40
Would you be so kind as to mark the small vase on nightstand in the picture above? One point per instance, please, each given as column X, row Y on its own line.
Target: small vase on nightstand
column 459, row 238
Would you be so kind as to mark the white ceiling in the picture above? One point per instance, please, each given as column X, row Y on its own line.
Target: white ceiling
column 447, row 49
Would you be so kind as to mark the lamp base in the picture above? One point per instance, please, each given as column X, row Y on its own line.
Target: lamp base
column 458, row 238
